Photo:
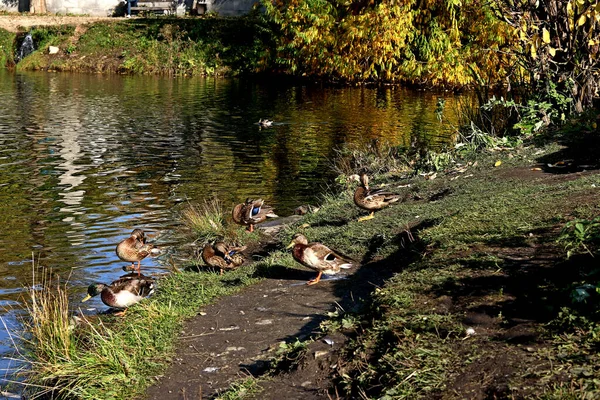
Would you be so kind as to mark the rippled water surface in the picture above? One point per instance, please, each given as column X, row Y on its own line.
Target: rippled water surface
column 84, row 159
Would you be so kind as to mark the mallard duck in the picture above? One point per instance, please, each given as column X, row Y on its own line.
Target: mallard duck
column 222, row 256
column 252, row 212
column 124, row 292
column 134, row 248
column 318, row 257
column 264, row 123
column 372, row 199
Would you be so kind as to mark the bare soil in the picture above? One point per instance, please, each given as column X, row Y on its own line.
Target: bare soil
column 239, row 335
column 17, row 22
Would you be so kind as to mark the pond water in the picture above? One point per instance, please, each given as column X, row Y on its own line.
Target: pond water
column 84, row 159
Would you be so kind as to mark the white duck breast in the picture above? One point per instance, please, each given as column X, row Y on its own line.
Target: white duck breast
column 125, row 299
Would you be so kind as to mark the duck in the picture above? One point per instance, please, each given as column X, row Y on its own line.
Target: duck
column 135, row 248
column 252, row 212
column 265, row 123
column 372, row 199
column 124, row 292
column 318, row 257
column 222, row 256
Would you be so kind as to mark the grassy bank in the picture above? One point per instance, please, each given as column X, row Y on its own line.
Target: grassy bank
column 478, row 297
column 472, row 246
column 171, row 46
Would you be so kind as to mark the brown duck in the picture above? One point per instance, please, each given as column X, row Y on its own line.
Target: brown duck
column 124, row 292
column 318, row 257
column 252, row 212
column 372, row 199
column 222, row 256
column 134, row 248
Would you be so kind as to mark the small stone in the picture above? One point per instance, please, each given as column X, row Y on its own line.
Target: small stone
column 320, row 353
column 231, row 328
column 264, row 322
column 208, row 369
column 305, row 384
column 53, row 50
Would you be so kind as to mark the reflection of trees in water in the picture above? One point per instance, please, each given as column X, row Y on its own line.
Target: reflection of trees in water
column 124, row 149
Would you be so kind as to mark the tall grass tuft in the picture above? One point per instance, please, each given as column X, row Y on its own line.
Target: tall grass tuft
column 373, row 159
column 49, row 321
column 208, row 221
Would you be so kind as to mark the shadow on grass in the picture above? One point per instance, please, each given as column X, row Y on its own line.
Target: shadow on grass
column 579, row 154
column 352, row 293
column 525, row 283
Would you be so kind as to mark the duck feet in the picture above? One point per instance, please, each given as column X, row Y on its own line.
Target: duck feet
column 120, row 313
column 316, row 280
column 368, row 217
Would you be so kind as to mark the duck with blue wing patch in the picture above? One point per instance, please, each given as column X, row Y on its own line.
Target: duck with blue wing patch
column 222, row 256
column 252, row 212
column 318, row 257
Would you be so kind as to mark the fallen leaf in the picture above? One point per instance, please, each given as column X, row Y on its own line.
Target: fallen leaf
column 536, row 169
column 498, row 163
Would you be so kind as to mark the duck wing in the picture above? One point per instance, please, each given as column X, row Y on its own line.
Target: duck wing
column 141, row 286
column 322, row 258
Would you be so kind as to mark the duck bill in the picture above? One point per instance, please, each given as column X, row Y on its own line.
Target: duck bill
column 290, row 245
column 86, row 298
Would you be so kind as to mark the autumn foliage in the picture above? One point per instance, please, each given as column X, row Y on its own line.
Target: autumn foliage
column 560, row 41
column 450, row 43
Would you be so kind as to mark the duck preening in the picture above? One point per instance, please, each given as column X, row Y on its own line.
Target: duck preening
column 124, row 292
column 372, row 199
column 135, row 249
column 222, row 256
column 318, row 257
column 252, row 212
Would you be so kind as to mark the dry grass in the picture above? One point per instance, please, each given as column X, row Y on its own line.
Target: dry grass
column 208, row 221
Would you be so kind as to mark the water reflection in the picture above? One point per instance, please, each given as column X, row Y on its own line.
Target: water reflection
column 84, row 159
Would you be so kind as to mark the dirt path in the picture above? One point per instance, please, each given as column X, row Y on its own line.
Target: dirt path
column 16, row 23
column 239, row 333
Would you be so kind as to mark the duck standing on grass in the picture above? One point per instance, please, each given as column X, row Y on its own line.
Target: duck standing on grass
column 135, row 248
column 252, row 212
column 318, row 257
column 222, row 256
column 372, row 199
column 122, row 293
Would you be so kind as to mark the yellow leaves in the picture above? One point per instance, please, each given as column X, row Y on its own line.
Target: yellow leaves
column 552, row 51
column 498, row 163
column 534, row 45
column 581, row 20
column 545, row 36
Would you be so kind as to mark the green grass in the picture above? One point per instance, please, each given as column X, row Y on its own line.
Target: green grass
column 403, row 346
column 115, row 358
column 7, row 47
column 170, row 46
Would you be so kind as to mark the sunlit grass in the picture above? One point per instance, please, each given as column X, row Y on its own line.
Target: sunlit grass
column 105, row 357
column 209, row 221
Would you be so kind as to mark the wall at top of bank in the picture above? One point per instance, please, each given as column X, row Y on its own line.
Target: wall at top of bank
column 118, row 7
